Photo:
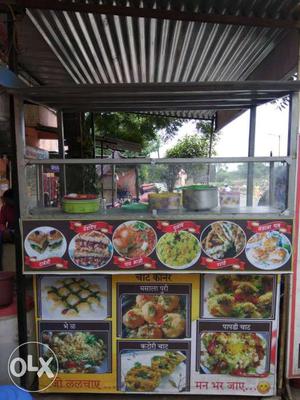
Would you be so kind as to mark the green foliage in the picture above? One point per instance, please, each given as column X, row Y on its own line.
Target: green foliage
column 199, row 145
column 135, row 128
column 192, row 146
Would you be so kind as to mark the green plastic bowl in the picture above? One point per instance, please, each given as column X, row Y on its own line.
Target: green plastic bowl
column 197, row 187
column 135, row 207
column 81, row 206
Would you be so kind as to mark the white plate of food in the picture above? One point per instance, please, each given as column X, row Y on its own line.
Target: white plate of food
column 223, row 239
column 73, row 297
column 134, row 239
column 178, row 250
column 45, row 242
column 268, row 250
column 234, row 353
column 91, row 250
column 77, row 352
column 153, row 371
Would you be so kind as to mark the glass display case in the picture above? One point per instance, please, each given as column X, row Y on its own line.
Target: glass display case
column 150, row 186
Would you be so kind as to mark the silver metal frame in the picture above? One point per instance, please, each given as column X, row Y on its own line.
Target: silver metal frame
column 251, row 152
column 20, row 148
column 154, row 161
column 292, row 148
column 61, row 149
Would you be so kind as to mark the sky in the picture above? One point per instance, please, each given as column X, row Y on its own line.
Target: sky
column 271, row 134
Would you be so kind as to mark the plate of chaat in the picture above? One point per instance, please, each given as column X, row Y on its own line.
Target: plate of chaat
column 233, row 353
column 73, row 297
column 178, row 250
column 223, row 239
column 153, row 371
column 268, row 250
column 154, row 316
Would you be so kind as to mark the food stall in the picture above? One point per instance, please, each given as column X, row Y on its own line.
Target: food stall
column 177, row 297
column 181, row 296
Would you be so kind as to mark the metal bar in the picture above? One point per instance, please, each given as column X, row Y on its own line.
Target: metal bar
column 37, row 183
column 211, row 137
column 182, row 108
column 292, row 148
column 194, row 100
column 93, row 134
column 153, row 161
column 271, row 184
column 18, row 174
column 158, row 13
column 270, row 86
column 137, row 185
column 210, row 148
column 113, row 180
column 40, row 192
column 102, row 184
column 17, row 130
column 283, row 329
column 251, row 149
column 61, row 151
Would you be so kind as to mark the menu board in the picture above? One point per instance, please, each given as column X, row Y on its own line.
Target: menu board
column 156, row 246
column 160, row 333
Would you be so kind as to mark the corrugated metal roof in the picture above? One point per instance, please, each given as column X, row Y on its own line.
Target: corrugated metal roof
column 35, row 57
column 98, row 48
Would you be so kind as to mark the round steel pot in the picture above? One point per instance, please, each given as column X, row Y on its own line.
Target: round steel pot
column 199, row 198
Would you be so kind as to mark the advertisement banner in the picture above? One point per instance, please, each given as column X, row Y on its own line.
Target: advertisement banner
column 113, row 246
column 160, row 333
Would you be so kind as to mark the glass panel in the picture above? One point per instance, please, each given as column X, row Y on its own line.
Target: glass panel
column 232, row 140
column 128, row 183
column 272, row 121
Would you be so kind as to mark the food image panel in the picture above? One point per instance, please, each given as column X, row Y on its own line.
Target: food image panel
column 84, row 351
column 74, row 297
column 45, row 242
column 231, row 348
column 163, row 315
column 238, row 296
column 134, row 239
column 153, row 367
column 178, row 250
column 231, row 353
column 90, row 250
column 223, row 239
column 65, row 246
column 268, row 250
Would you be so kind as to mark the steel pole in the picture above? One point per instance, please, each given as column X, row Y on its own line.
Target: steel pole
column 251, row 150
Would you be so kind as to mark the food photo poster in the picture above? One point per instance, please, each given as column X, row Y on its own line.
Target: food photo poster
column 127, row 247
column 160, row 333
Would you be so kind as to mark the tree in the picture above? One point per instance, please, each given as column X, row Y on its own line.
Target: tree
column 138, row 128
column 193, row 146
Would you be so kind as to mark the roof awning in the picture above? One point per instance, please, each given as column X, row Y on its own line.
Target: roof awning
column 148, row 43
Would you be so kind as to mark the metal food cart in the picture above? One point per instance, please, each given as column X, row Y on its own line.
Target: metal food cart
column 193, row 306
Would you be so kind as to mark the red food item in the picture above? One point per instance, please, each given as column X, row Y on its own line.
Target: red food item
column 211, row 347
column 70, row 364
